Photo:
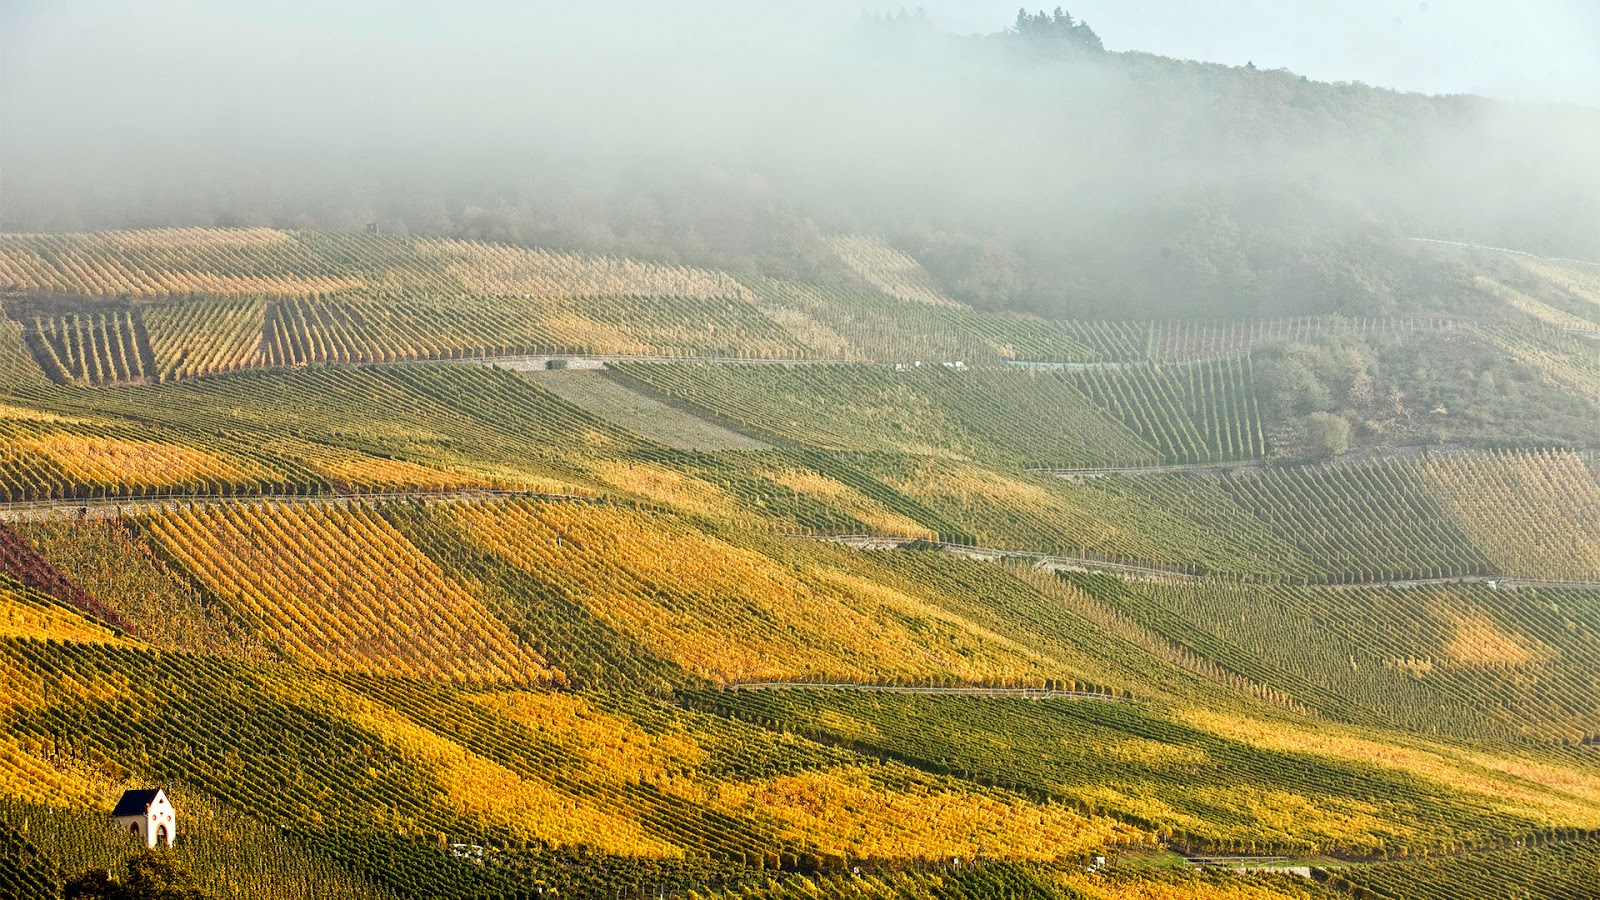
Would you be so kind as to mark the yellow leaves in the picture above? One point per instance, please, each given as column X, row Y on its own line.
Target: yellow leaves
column 1477, row 640
column 663, row 485
column 957, row 646
column 1102, row 887
column 849, row 501
column 23, row 414
column 1536, row 515
column 138, row 464
column 848, row 811
column 338, row 586
column 198, row 337
column 1009, row 511
column 729, row 614
column 23, row 617
column 1584, row 786
column 1291, row 818
column 1146, row 752
column 685, row 596
column 348, row 468
column 1543, row 792
column 504, row 270
column 483, row 789
column 618, row 751
column 28, row 777
column 591, row 336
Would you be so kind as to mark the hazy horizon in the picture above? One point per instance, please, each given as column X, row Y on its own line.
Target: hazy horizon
column 733, row 134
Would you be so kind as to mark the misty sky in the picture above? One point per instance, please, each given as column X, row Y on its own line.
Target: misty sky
column 1540, row 50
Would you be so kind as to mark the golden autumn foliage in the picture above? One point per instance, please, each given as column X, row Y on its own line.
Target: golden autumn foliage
column 193, row 337
column 131, row 465
column 851, row 812
column 347, row 470
column 616, row 749
column 669, row 487
column 1541, row 792
column 338, row 586
column 164, row 608
column 501, row 269
column 25, row 775
column 25, row 615
column 481, row 788
column 1188, row 887
column 730, row 614
column 848, row 500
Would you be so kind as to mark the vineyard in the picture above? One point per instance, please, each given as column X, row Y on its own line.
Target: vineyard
column 1016, row 417
column 166, row 304
column 1204, row 784
column 1556, row 871
column 195, row 336
column 641, row 780
column 1457, row 659
column 242, row 262
column 338, row 587
column 788, row 590
column 888, row 270
column 726, row 613
column 1200, row 412
column 96, row 348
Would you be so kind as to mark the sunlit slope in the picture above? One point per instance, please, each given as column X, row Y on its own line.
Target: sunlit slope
column 1033, row 883
column 316, row 430
column 629, row 778
column 180, row 302
column 729, row 614
column 951, row 468
column 523, row 591
column 535, row 633
column 1457, row 659
column 230, row 853
column 1226, row 781
column 157, row 305
column 1208, row 751
column 339, row 587
column 1555, row 871
column 1016, row 416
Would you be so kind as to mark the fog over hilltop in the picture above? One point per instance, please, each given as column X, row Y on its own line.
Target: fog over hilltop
column 1028, row 169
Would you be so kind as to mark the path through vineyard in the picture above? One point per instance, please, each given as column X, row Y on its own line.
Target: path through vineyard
column 114, row 507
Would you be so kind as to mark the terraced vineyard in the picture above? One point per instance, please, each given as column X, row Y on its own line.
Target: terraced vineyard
column 1553, row 872
column 392, row 623
column 1460, row 659
column 194, row 336
column 479, row 765
column 991, row 880
column 1016, row 417
column 1200, row 412
column 93, row 348
column 253, row 261
column 1210, row 779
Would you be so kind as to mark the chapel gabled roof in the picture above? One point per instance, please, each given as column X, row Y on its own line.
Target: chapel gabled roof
column 135, row 803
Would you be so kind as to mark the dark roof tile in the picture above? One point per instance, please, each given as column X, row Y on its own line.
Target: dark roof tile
column 134, row 803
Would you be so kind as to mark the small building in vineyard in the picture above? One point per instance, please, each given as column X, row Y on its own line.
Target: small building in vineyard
column 148, row 814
